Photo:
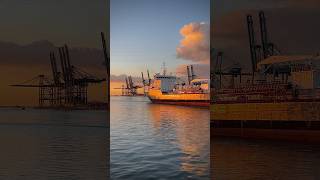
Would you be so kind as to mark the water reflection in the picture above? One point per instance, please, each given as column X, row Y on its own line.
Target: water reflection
column 233, row 158
column 40, row 144
column 151, row 141
column 190, row 127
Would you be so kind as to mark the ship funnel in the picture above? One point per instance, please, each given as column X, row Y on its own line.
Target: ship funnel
column 189, row 76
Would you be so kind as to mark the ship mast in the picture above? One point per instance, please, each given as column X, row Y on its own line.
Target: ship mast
column 164, row 68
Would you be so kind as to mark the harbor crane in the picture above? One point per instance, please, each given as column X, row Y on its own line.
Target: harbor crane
column 107, row 66
column 66, row 88
column 129, row 89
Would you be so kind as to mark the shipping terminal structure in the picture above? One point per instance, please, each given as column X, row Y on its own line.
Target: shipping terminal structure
column 67, row 88
column 170, row 89
column 279, row 99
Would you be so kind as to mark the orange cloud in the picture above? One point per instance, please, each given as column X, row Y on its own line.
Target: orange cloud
column 195, row 44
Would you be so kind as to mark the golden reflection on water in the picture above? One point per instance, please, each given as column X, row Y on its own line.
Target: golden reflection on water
column 191, row 128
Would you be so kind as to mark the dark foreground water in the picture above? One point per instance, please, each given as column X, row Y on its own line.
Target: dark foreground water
column 47, row 144
column 153, row 141
column 233, row 158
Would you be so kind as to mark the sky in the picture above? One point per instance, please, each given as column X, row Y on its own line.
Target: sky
column 31, row 29
column 293, row 26
column 76, row 22
column 146, row 33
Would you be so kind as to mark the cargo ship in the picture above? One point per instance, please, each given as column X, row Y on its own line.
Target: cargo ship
column 169, row 89
column 279, row 99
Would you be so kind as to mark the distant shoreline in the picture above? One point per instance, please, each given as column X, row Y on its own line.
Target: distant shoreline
column 56, row 108
column 16, row 107
column 124, row 95
column 20, row 106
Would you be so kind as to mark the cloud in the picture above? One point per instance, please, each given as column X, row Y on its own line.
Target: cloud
column 118, row 78
column 195, row 44
column 122, row 78
column 37, row 54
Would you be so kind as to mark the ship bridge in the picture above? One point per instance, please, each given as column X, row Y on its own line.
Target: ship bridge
column 165, row 82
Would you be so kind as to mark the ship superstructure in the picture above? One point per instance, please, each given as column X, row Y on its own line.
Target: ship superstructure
column 281, row 89
column 170, row 89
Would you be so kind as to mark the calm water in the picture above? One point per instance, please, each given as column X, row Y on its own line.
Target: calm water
column 257, row 159
column 47, row 144
column 152, row 141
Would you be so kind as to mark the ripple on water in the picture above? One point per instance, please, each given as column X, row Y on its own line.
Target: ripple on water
column 152, row 141
column 45, row 144
column 256, row 159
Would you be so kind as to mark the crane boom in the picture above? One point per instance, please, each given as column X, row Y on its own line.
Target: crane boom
column 62, row 65
column 252, row 43
column 143, row 80
column 149, row 79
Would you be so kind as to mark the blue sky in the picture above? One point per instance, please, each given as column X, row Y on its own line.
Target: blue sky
column 145, row 33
